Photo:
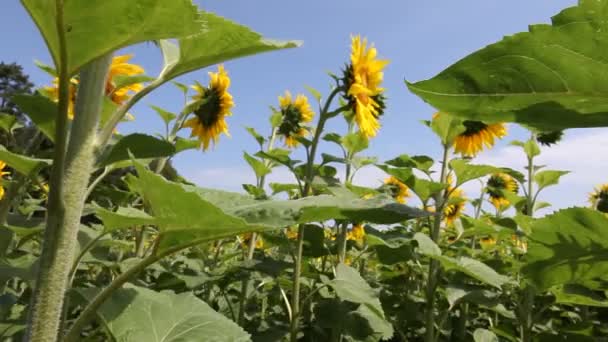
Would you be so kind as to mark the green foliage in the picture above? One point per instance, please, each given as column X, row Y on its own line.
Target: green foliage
column 549, row 78
column 140, row 146
column 89, row 36
column 466, row 172
column 24, row 165
column 139, row 314
column 567, row 247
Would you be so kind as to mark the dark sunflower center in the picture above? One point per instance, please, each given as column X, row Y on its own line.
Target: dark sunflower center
column 291, row 121
column 495, row 186
column 208, row 112
column 602, row 203
column 393, row 190
column 473, row 127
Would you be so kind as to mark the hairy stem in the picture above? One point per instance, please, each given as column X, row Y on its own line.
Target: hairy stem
column 434, row 267
column 69, row 181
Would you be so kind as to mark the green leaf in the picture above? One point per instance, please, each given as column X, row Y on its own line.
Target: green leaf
column 7, row 121
column 578, row 295
column 88, row 35
column 165, row 115
column 121, row 81
column 333, row 137
column 141, row 146
column 531, row 148
column 314, row 92
column 138, row 314
column 568, row 247
column 41, row 110
column 282, row 187
column 258, row 166
column 123, row 218
column 260, row 139
column 403, row 174
column 549, row 78
column 355, row 142
column 548, row 177
column 350, row 286
column 422, row 163
column 484, row 335
column 466, row 172
column 221, row 40
column 24, row 165
column 328, row 158
column 426, row 246
column 423, row 188
column 447, row 127
column 182, row 144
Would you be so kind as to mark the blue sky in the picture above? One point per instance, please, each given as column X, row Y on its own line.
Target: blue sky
column 420, row 38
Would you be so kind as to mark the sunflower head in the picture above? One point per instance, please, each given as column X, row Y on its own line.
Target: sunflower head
column 549, row 138
column 478, row 134
column 399, row 191
column 259, row 242
column 357, row 233
column 454, row 210
column 121, row 68
column 599, row 198
column 215, row 103
column 487, row 242
column 295, row 113
column 497, row 185
column 52, row 92
column 291, row 232
column 2, row 174
column 361, row 82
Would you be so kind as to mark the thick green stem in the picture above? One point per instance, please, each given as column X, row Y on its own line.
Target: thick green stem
column 434, row 267
column 245, row 282
column 66, row 201
column 295, row 299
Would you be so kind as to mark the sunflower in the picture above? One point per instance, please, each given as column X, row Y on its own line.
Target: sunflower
column 487, row 242
column 599, row 198
column 398, row 190
column 549, row 138
column 357, row 233
column 497, row 185
column 2, row 174
column 520, row 244
column 215, row 104
column 53, row 93
column 476, row 135
column 454, row 210
column 295, row 113
column 120, row 68
column 259, row 243
column 291, row 232
column 362, row 79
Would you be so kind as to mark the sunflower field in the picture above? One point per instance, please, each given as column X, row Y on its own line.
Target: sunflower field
column 102, row 239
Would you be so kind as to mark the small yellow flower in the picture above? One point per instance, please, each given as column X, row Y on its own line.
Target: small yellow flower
column 487, row 242
column 53, row 93
column 453, row 211
column 476, row 136
column 291, row 232
column 259, row 242
column 599, row 198
column 497, row 185
column 363, row 78
column 209, row 118
column 357, row 234
column 295, row 113
column 519, row 243
column 2, row 174
column 399, row 191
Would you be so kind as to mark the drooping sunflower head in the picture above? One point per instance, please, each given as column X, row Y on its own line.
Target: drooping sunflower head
column 259, row 242
column 215, row 105
column 497, row 185
column 477, row 135
column 599, row 198
column 361, row 81
column 121, row 68
column 549, row 138
column 52, row 92
column 357, row 233
column 454, row 210
column 399, row 191
column 295, row 114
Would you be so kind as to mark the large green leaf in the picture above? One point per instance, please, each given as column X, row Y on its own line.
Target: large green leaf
column 568, row 247
column 138, row 314
column 220, row 40
column 551, row 78
column 548, row 177
column 350, row 286
column 141, row 146
column 95, row 28
column 466, row 172
column 41, row 110
column 191, row 214
column 24, row 165
column 578, row 295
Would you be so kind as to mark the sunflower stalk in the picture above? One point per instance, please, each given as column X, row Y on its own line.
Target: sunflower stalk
column 69, row 180
column 324, row 115
column 434, row 267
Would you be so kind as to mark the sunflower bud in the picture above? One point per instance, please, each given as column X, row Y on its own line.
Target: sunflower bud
column 549, row 138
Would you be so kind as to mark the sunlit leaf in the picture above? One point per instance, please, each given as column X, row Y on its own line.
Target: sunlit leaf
column 140, row 146
column 24, row 165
